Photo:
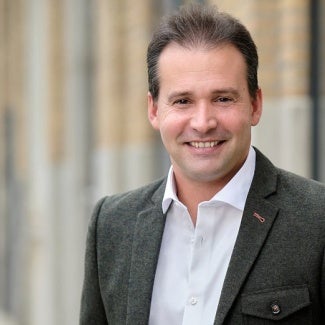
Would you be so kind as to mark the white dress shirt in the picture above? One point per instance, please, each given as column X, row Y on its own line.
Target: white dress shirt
column 193, row 260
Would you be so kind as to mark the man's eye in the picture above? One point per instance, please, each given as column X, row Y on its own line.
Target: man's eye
column 224, row 99
column 182, row 101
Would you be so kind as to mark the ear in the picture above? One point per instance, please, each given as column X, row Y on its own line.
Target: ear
column 257, row 104
column 153, row 112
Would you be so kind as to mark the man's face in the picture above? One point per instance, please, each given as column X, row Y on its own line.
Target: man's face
column 204, row 111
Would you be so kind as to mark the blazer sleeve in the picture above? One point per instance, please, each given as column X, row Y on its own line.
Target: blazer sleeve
column 92, row 310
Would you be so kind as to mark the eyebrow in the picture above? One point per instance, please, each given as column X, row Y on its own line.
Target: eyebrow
column 229, row 90
column 177, row 94
column 187, row 93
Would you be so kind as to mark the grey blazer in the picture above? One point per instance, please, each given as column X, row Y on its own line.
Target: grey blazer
column 276, row 273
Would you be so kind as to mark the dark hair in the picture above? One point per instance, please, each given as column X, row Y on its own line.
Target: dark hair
column 201, row 25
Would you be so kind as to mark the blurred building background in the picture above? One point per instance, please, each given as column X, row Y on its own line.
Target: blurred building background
column 73, row 126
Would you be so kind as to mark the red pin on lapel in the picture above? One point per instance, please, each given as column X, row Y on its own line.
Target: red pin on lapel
column 259, row 217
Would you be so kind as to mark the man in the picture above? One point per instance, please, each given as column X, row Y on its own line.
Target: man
column 226, row 238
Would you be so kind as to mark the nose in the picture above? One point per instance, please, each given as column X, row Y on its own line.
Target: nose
column 204, row 118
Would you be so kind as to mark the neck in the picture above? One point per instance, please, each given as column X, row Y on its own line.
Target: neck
column 191, row 194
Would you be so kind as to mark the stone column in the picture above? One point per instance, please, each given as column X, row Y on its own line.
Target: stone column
column 3, row 147
column 13, row 159
column 108, row 100
column 139, row 140
column 321, row 90
column 39, row 274
column 73, row 170
column 57, row 152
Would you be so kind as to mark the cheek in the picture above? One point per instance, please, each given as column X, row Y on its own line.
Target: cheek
column 170, row 120
column 235, row 123
column 167, row 129
column 172, row 129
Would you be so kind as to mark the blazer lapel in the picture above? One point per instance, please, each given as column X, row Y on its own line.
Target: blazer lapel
column 258, row 217
column 145, row 252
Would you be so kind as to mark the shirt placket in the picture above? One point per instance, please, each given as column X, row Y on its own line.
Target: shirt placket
column 194, row 302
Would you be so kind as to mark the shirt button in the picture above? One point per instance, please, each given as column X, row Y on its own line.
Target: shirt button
column 193, row 301
column 275, row 309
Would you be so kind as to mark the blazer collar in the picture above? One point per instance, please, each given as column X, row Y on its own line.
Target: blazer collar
column 145, row 251
column 258, row 217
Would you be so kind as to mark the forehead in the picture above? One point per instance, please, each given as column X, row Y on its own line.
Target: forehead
column 224, row 61
column 177, row 54
column 174, row 49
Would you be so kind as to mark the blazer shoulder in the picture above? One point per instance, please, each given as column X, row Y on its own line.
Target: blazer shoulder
column 287, row 191
column 300, row 186
column 131, row 202
column 302, row 202
column 270, row 179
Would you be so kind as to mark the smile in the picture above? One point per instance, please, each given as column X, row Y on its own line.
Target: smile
column 206, row 144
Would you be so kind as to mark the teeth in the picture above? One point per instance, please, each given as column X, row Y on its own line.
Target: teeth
column 203, row 144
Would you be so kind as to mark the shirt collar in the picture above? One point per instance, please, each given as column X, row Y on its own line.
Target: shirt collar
column 233, row 193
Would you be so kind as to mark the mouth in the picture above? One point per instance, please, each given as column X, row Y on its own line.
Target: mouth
column 205, row 144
